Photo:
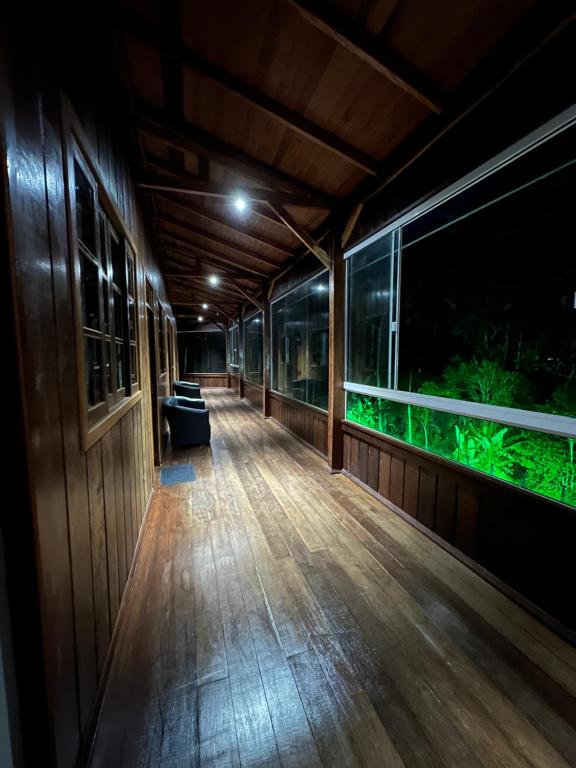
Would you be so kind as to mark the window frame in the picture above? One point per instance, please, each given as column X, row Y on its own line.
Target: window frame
column 314, row 276
column 539, row 421
column 248, row 319
column 236, row 366
column 95, row 420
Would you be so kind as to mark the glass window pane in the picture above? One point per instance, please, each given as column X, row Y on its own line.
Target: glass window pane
column 370, row 299
column 133, row 364
column 117, row 255
column 120, row 380
column 85, row 209
column 131, row 319
column 93, row 370
column 202, row 352
column 542, row 463
column 118, row 315
column 300, row 343
column 108, row 366
column 488, row 304
column 253, row 349
column 90, row 293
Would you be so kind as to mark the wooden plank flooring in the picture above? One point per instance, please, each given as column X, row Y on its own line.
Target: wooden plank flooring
column 280, row 616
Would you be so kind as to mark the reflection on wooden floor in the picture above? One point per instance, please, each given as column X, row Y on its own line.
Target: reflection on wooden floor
column 281, row 616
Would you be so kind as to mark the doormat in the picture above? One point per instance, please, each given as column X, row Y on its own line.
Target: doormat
column 181, row 473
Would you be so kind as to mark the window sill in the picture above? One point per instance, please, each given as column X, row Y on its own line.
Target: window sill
column 95, row 432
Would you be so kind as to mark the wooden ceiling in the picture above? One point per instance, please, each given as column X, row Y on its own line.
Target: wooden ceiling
column 293, row 103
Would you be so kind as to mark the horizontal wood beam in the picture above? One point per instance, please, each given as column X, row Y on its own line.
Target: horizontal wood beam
column 202, row 188
column 173, row 221
column 302, row 234
column 183, row 135
column 232, row 224
column 253, row 299
column 172, row 49
column 347, row 33
column 200, row 251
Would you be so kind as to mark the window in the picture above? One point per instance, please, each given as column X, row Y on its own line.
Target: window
column 107, row 296
column 233, row 347
column 161, row 338
column 478, row 363
column 253, row 348
column 300, row 343
column 202, row 351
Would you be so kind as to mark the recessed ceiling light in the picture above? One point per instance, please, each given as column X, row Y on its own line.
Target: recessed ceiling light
column 213, row 279
column 240, row 203
column 204, row 306
column 200, row 318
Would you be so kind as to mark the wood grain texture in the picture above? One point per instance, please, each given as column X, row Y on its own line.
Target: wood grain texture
column 501, row 528
column 254, row 393
column 309, row 424
column 280, row 615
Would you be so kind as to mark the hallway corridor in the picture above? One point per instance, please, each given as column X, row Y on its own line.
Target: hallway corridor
column 279, row 615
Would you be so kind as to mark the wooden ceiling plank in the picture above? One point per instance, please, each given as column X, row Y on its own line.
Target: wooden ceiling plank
column 199, row 251
column 183, row 135
column 192, row 186
column 222, row 221
column 347, row 34
column 302, row 234
column 172, row 50
column 174, row 221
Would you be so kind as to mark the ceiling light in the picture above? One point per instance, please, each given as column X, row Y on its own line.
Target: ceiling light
column 200, row 318
column 204, row 306
column 213, row 279
column 240, row 203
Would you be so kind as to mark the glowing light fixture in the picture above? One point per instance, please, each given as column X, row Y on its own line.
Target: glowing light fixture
column 240, row 203
column 204, row 306
column 213, row 279
column 200, row 318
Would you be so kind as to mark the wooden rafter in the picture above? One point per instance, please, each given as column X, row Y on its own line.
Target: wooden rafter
column 171, row 50
column 347, row 34
column 232, row 224
column 184, row 135
column 251, row 298
column 351, row 223
column 164, row 218
column 302, row 234
column 210, row 256
column 197, row 186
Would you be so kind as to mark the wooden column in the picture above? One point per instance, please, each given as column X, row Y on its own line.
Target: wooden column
column 337, row 329
column 267, row 359
column 228, row 381
column 241, row 354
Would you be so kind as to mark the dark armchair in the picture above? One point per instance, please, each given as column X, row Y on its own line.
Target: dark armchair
column 186, row 389
column 190, row 402
column 188, row 426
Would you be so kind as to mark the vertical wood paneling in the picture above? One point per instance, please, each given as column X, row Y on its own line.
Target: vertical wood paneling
column 427, row 497
column 307, row 423
column 384, row 469
column 99, row 557
column 411, row 480
column 467, row 519
column 446, row 506
column 109, row 475
column 397, row 480
column 123, row 562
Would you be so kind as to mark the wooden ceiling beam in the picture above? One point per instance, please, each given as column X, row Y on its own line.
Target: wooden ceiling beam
column 302, row 234
column 202, row 188
column 235, row 226
column 348, row 34
column 253, row 299
column 183, row 135
column 173, row 221
column 217, row 259
column 172, row 50
column 351, row 223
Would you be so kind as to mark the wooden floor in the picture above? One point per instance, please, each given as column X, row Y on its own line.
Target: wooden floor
column 281, row 616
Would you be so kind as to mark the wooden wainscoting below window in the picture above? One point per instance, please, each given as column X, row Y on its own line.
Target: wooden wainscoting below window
column 254, row 393
column 304, row 421
column 208, row 380
column 522, row 539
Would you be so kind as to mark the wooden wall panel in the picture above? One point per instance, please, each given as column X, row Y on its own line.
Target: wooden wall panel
column 254, row 393
column 208, row 380
column 520, row 538
column 87, row 507
column 310, row 424
column 235, row 382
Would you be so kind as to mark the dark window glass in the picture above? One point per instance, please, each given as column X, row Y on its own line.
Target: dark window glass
column 90, row 293
column 85, row 209
column 253, row 349
column 300, row 343
column 161, row 338
column 202, row 352
column 108, row 366
column 118, row 263
column 233, row 346
column 93, row 368
column 370, row 301
column 133, row 364
column 120, row 383
column 488, row 301
column 131, row 319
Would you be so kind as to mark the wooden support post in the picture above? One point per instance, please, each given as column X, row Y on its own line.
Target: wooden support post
column 241, row 355
column 267, row 359
column 336, row 373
